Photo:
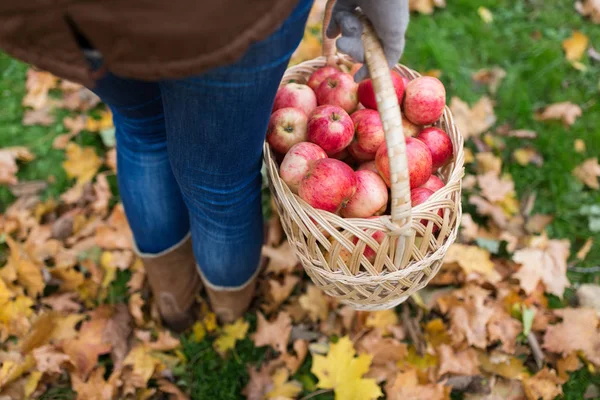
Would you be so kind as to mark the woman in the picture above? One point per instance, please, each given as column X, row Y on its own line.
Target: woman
column 191, row 86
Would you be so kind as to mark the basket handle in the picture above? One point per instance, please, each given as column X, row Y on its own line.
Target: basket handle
column 389, row 111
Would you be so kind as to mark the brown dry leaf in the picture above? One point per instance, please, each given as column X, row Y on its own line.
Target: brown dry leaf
column 78, row 98
column 527, row 155
column 491, row 77
column 538, row 223
column 589, row 8
column 167, row 387
column 116, row 233
column 41, row 117
column 383, row 349
column 38, row 84
column 87, row 346
column 580, row 326
column 49, row 360
column 469, row 318
column 566, row 111
column 544, row 261
column 164, row 342
column 95, row 388
column 142, row 365
column 279, row 292
column 504, row 328
column 137, row 277
column 81, row 163
column 469, row 229
column 383, row 320
column 259, row 384
column 74, row 125
column 567, row 364
column 29, row 274
column 488, row 162
column 544, row 385
column 494, row 188
column 275, row 334
column 282, row 388
column 522, row 133
column 293, row 362
column 135, row 308
column 473, row 121
column 463, row 362
column 64, row 328
column 8, row 163
column 406, row 386
column 315, row 303
column 282, row 260
column 501, row 389
column 111, row 159
column 588, row 173
column 473, row 260
column 118, row 329
column 425, row 6
column 575, row 46
column 62, row 302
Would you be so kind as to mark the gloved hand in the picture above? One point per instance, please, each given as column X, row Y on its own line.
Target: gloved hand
column 389, row 18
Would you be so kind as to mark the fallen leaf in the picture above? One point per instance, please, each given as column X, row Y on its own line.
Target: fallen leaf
column 580, row 326
column 544, row 385
column 491, row 77
column 425, row 6
column 142, row 365
column 406, row 386
column 494, row 188
column 485, row 14
column 537, row 223
column 49, row 360
column 8, row 163
column 589, row 8
column 111, row 159
column 504, row 365
column 279, row 292
column 383, row 350
column 78, row 98
column 545, row 261
column 167, row 387
column 275, row 334
column 164, row 342
column 487, row 162
column 315, row 303
column 500, row 389
column 282, row 388
column 469, row 229
column 341, row 371
column 579, row 145
column 469, row 318
column 588, row 296
column 32, row 383
column 293, row 362
column 115, row 234
column 64, row 327
column 38, row 85
column 104, row 122
column 464, row 362
column 230, row 334
column 575, row 46
column 588, row 172
column 282, row 260
column 566, row 111
column 74, row 125
column 41, row 117
column 504, row 328
column 473, row 121
column 472, row 260
column 81, row 163
column 118, row 329
column 28, row 273
column 527, row 155
column 87, row 346
column 259, row 384
column 135, row 308
column 95, row 388
column 382, row 320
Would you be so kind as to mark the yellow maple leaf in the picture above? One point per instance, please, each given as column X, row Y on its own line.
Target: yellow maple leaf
column 575, row 46
column 31, row 383
column 472, row 259
column 230, row 334
column 143, row 364
column 282, row 389
column 110, row 269
column 382, row 320
column 81, row 163
column 210, row 321
column 5, row 293
column 28, row 273
column 97, row 125
column 315, row 303
column 199, row 331
column 341, row 371
column 505, row 365
column 485, row 14
column 64, row 327
column 20, row 306
column 12, row 370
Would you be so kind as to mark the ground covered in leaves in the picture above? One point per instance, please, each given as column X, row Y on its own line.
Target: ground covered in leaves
column 513, row 314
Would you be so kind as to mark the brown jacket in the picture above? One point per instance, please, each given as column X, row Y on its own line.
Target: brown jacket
column 143, row 39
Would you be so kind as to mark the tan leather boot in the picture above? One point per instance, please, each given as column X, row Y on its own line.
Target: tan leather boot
column 175, row 282
column 227, row 303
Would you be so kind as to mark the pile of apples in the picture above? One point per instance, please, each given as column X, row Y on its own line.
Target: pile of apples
column 330, row 140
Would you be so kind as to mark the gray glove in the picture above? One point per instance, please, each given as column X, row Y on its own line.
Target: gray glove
column 389, row 18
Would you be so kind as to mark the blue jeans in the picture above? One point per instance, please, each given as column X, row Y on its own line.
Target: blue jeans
column 189, row 155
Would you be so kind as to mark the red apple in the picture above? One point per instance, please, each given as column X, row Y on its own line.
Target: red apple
column 370, row 198
column 331, row 128
column 319, row 76
column 368, row 251
column 366, row 95
column 328, row 185
column 408, row 128
column 339, row 90
column 424, row 100
column 439, row 144
column 433, row 183
column 368, row 166
column 418, row 158
column 419, row 196
column 287, row 127
column 297, row 162
column 297, row 96
column 368, row 135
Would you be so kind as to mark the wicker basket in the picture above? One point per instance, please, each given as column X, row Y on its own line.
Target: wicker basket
column 415, row 241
